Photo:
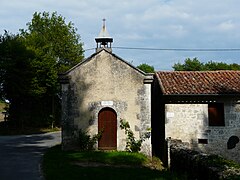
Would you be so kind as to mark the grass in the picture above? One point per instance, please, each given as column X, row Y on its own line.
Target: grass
column 109, row 157
column 61, row 165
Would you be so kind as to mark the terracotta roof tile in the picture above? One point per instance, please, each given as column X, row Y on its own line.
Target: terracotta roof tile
column 199, row 82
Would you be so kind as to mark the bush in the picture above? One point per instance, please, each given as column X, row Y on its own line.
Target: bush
column 86, row 142
column 132, row 145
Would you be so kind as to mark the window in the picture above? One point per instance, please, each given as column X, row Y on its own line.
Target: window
column 216, row 114
column 202, row 141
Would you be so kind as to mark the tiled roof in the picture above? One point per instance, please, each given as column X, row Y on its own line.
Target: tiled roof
column 199, row 82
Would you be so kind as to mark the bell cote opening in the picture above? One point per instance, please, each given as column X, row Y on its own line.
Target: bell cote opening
column 104, row 40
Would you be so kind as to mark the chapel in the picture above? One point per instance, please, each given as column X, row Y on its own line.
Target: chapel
column 100, row 91
column 199, row 108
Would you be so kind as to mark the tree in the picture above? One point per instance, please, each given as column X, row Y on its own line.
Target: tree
column 30, row 63
column 195, row 65
column 52, row 39
column 15, row 74
column 221, row 66
column 57, row 48
column 146, row 68
column 189, row 65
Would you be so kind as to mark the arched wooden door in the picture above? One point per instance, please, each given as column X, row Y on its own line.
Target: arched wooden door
column 107, row 121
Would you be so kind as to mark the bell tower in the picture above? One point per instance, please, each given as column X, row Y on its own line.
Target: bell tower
column 104, row 40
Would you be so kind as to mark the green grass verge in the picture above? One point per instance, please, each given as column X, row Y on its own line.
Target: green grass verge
column 61, row 165
column 114, row 157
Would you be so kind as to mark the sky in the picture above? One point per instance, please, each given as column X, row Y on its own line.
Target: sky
column 158, row 24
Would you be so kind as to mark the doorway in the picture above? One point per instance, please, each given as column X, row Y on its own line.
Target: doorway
column 107, row 123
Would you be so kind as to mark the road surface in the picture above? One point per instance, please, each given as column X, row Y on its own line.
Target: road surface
column 20, row 156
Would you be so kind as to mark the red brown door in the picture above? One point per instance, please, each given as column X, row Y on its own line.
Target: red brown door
column 107, row 121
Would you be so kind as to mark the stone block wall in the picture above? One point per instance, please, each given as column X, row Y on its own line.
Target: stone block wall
column 197, row 165
column 189, row 122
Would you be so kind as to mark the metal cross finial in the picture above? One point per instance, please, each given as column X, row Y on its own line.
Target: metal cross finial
column 104, row 20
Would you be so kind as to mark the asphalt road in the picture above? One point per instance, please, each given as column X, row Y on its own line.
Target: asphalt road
column 20, row 156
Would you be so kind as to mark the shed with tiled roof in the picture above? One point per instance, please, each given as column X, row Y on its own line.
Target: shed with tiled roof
column 199, row 82
column 201, row 108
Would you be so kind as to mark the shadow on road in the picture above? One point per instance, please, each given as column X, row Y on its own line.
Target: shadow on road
column 20, row 156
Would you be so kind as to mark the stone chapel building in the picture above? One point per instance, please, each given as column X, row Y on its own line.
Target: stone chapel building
column 99, row 92
column 200, row 108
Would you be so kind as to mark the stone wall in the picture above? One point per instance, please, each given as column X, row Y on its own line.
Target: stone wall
column 189, row 122
column 197, row 165
column 102, row 81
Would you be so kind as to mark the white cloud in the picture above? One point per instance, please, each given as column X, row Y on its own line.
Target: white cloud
column 141, row 23
column 226, row 26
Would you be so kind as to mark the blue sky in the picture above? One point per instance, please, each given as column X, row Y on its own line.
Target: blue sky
column 143, row 23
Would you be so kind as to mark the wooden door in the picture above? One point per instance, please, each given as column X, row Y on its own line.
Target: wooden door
column 107, row 121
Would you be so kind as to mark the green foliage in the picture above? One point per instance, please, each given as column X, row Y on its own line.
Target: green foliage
column 213, row 66
column 195, row 65
column 146, row 68
column 16, row 75
column 132, row 145
column 58, row 164
column 110, row 157
column 53, row 40
column 29, row 67
column 86, row 142
column 189, row 65
column 57, row 48
column 15, row 67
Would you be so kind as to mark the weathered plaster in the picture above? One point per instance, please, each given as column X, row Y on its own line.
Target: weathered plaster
column 105, row 78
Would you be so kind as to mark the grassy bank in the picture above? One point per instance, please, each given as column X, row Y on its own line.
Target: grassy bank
column 70, row 165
